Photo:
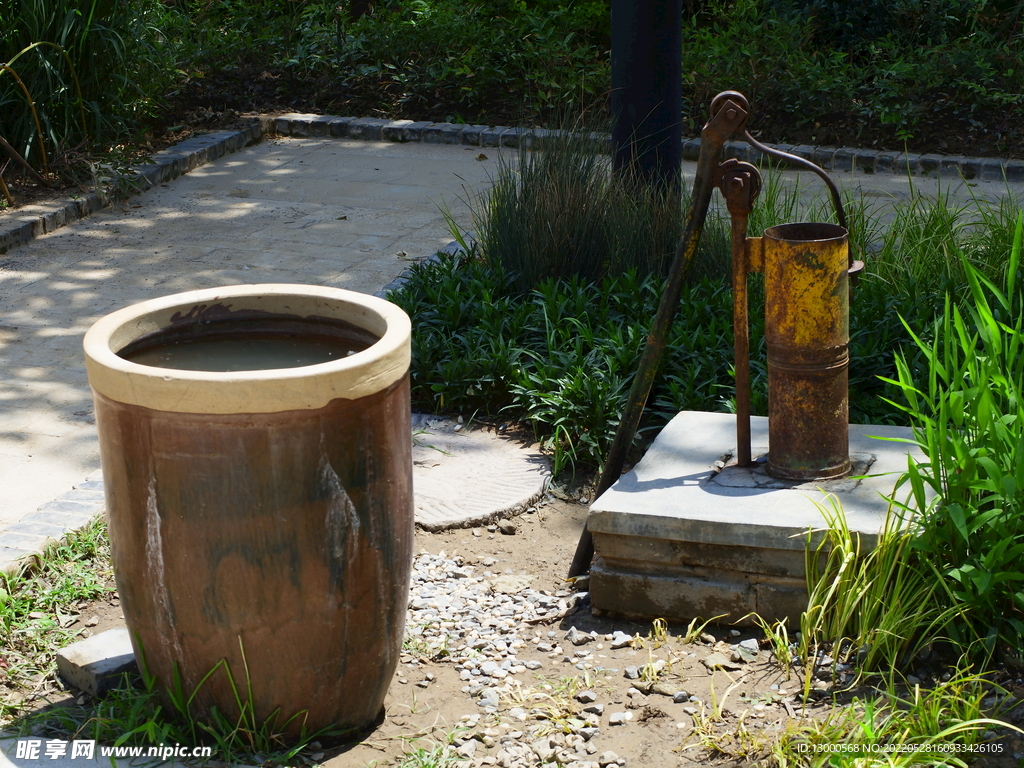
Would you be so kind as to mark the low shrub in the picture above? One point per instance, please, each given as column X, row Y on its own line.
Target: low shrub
column 544, row 323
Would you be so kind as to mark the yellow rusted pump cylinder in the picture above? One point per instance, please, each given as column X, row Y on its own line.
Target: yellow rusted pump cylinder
column 807, row 329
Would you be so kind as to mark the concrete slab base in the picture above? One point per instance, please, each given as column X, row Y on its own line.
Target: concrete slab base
column 689, row 534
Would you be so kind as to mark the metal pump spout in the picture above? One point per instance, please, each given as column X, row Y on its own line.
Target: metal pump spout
column 807, row 268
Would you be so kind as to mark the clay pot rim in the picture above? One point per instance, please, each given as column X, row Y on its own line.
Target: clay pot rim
column 266, row 391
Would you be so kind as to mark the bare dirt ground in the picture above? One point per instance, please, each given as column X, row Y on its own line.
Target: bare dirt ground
column 427, row 707
column 661, row 732
column 734, row 717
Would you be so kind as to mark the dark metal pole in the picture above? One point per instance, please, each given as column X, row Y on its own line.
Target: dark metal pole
column 646, row 99
column 729, row 113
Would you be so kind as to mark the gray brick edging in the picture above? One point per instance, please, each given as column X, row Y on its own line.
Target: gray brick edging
column 23, row 543
column 829, row 158
column 34, row 220
column 31, row 221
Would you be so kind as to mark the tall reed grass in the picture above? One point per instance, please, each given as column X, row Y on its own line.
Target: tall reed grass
column 87, row 68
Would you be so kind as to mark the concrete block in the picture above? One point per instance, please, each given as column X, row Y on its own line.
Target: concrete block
column 930, row 163
column 991, row 169
column 414, row 131
column 28, row 542
column 492, row 136
column 953, row 165
column 908, row 162
column 510, row 137
column 865, row 160
column 806, row 151
column 338, row 126
column 731, row 538
column 67, row 521
column 674, row 597
column 471, row 134
column 49, row 530
column 823, row 156
column 78, row 507
column 533, row 138
column 14, row 234
column 368, row 128
column 970, row 168
column 441, row 133
column 886, row 162
column 83, row 494
column 395, row 130
column 781, row 599
column 320, row 125
column 255, row 132
column 842, row 160
column 287, row 125
column 736, row 149
column 1014, row 170
column 96, row 664
column 647, row 552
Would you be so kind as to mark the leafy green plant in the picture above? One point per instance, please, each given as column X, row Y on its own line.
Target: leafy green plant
column 968, row 417
column 558, row 358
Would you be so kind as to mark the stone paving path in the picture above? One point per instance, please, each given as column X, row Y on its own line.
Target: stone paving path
column 349, row 214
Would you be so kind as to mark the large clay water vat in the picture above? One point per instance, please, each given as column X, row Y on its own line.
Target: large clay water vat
column 264, row 512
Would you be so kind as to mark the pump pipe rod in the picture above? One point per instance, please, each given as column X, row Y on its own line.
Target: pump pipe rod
column 740, row 185
column 729, row 112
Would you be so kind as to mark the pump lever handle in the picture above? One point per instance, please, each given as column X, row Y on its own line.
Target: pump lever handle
column 804, row 163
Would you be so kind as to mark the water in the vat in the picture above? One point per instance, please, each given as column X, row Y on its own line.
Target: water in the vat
column 245, row 352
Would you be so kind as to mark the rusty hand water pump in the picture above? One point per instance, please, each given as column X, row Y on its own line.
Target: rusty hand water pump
column 807, row 269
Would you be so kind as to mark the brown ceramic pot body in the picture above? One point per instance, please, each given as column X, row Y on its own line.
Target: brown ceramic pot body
column 271, row 532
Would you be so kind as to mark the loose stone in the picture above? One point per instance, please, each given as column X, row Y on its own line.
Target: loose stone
column 620, row 639
column 576, row 637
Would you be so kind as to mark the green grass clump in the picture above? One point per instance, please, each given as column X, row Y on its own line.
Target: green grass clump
column 935, row 726
column 38, row 605
column 557, row 212
column 135, row 714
